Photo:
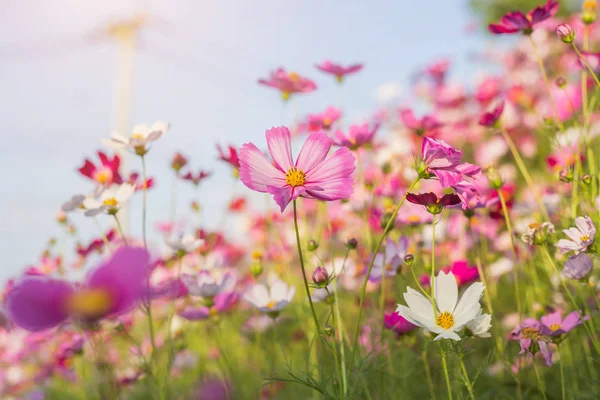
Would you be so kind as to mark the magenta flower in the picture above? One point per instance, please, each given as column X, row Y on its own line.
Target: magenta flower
column 516, row 21
column 395, row 322
column 358, row 135
column 288, row 83
column 196, row 179
column 104, row 174
column 37, row 302
column 426, row 124
column 462, row 271
column 314, row 175
column 338, row 70
column 444, row 161
column 578, row 267
column 223, row 303
column 531, row 336
column 431, row 202
column 231, row 158
column 554, row 325
column 491, row 118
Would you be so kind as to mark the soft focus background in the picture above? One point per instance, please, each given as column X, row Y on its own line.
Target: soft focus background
column 196, row 66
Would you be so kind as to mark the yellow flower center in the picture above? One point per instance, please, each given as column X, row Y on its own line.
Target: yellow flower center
column 103, row 176
column 111, row 202
column 295, row 177
column 138, row 136
column 213, row 311
column 584, row 238
column 294, row 77
column 530, row 333
column 555, row 327
column 445, row 320
column 271, row 304
column 534, row 225
column 388, row 267
column 257, row 255
column 327, row 122
column 89, row 302
column 413, row 218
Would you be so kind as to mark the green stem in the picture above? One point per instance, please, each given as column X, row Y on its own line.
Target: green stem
column 428, row 373
column 377, row 248
column 446, row 375
column 467, row 380
column 335, row 351
column 340, row 326
column 523, row 170
column 170, row 320
column 432, row 275
column 562, row 375
column 512, row 248
column 582, row 58
column 312, row 307
column 545, row 76
column 539, row 380
column 120, row 228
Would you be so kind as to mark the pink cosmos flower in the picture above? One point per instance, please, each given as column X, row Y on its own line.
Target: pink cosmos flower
column 531, row 331
column 426, row 124
column 516, row 21
column 221, row 304
column 136, row 181
column 338, row 70
column 592, row 58
column 314, row 175
column 555, row 325
column 438, row 70
column 444, row 161
column 321, row 121
column 37, row 303
column 357, row 136
column 105, row 174
column 288, row 83
column 395, row 322
column 488, row 89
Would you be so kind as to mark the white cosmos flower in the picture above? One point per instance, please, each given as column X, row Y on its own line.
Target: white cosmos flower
column 184, row 243
column 271, row 300
column 481, row 325
column 110, row 200
column 580, row 237
column 207, row 284
column 451, row 315
column 140, row 139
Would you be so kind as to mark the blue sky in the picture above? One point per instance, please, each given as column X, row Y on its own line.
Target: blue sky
column 196, row 67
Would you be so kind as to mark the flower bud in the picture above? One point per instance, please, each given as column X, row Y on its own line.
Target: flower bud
column 256, row 269
column 587, row 179
column 329, row 330
column 588, row 15
column 312, row 245
column 566, row 175
column 195, row 206
column 352, row 243
column 178, row 162
column 409, row 259
column 561, row 82
column 566, row 33
column 549, row 121
column 320, row 277
column 386, row 168
column 494, row 178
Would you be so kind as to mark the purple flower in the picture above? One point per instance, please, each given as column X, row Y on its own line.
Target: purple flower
column 222, row 303
column 532, row 337
column 390, row 260
column 395, row 322
column 38, row 302
column 516, row 21
column 314, row 175
column 578, row 267
column 554, row 325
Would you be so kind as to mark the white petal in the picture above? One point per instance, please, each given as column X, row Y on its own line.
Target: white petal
column 420, row 307
column 446, row 292
column 407, row 314
column 449, row 334
column 470, row 297
column 279, row 290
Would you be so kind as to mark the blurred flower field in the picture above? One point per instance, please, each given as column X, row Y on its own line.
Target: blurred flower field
column 439, row 252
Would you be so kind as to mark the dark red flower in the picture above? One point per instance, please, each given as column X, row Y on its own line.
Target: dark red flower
column 491, row 118
column 106, row 173
column 516, row 21
column 431, row 202
column 231, row 158
column 196, row 179
column 133, row 179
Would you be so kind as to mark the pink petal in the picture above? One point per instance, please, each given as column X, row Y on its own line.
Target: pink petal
column 332, row 189
column 284, row 195
column 279, row 141
column 339, row 165
column 447, row 177
column 313, row 152
column 256, row 171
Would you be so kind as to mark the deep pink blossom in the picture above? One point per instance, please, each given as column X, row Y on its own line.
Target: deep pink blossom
column 231, row 158
column 288, row 83
column 321, row 121
column 357, row 136
column 463, row 273
column 338, row 70
column 491, row 118
column 314, row 175
column 516, row 21
column 445, row 162
column 196, row 179
column 106, row 173
column 395, row 322
column 37, row 303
